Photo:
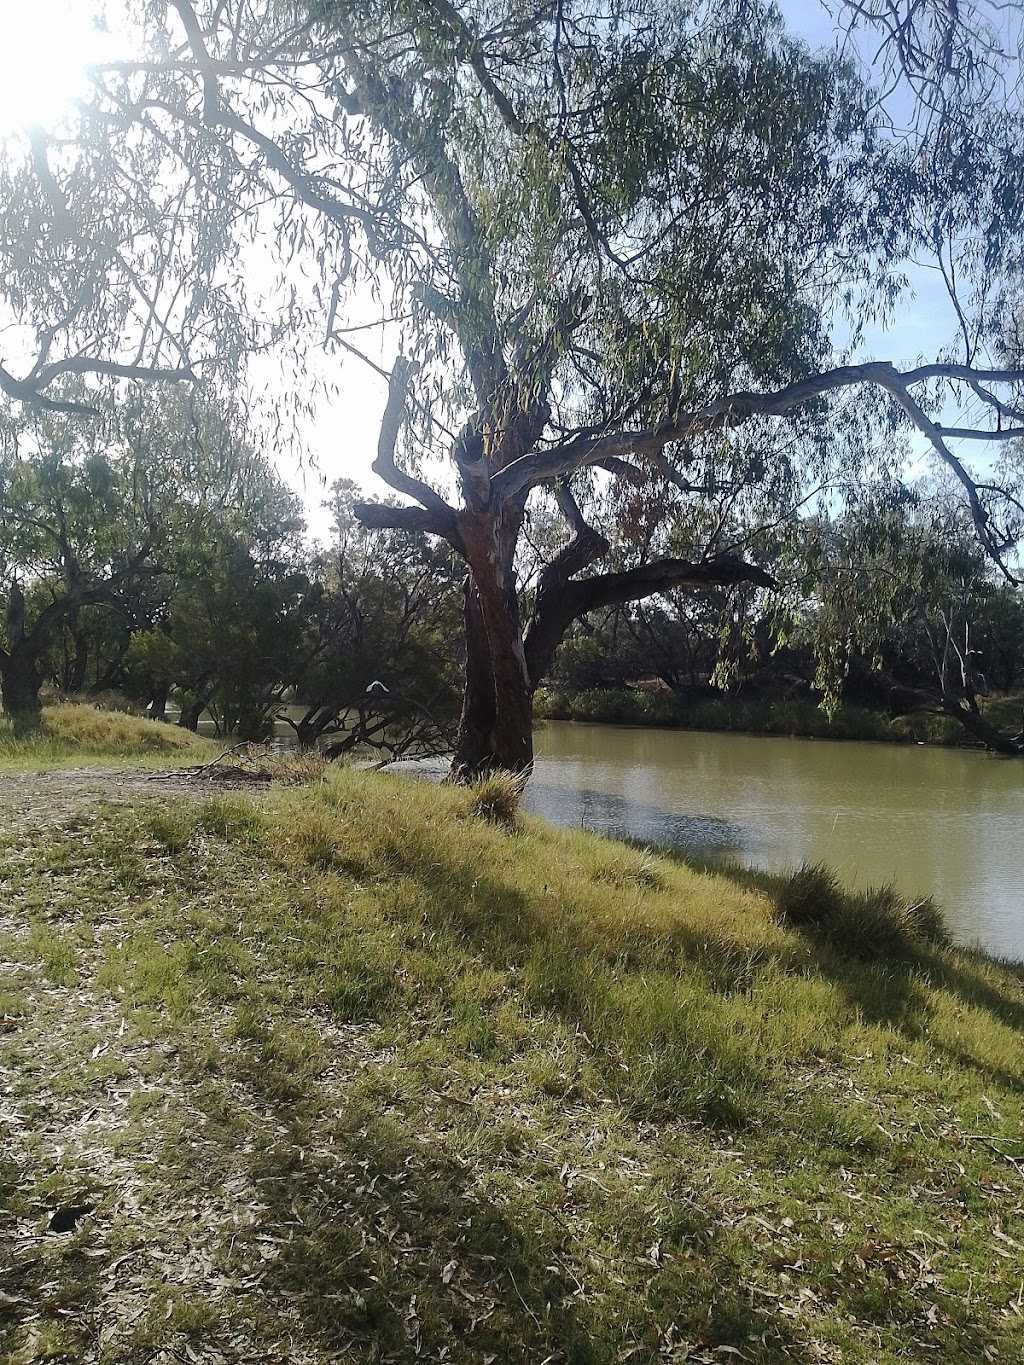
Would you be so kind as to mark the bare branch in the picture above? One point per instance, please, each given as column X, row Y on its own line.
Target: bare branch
column 735, row 409
column 384, row 465
column 585, row 547
column 897, row 385
column 380, row 516
column 31, row 390
column 112, row 369
column 558, row 606
column 26, row 391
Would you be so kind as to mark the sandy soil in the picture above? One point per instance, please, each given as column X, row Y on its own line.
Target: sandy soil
column 50, row 798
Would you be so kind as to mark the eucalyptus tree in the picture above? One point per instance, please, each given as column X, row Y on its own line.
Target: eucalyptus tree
column 114, row 516
column 901, row 584
column 612, row 240
column 77, row 527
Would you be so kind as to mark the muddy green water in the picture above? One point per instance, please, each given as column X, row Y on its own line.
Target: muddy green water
column 945, row 822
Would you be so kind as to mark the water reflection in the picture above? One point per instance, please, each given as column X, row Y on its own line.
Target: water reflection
column 625, row 817
column 933, row 821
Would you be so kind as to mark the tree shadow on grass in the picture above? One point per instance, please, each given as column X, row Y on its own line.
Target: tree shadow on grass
column 401, row 1242
column 888, row 984
column 397, row 1232
column 393, row 1248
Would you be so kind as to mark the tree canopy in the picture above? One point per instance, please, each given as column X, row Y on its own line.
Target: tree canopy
column 631, row 242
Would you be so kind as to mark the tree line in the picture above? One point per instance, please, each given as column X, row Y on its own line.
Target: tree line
column 155, row 552
column 939, row 640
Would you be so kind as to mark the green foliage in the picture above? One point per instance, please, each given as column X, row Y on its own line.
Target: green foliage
column 236, row 624
column 641, row 706
column 383, row 615
column 105, row 524
column 902, row 590
column 159, row 553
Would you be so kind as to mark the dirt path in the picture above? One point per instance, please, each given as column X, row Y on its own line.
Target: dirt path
column 50, row 798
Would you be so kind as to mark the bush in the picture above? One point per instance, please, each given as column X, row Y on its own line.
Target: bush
column 642, row 706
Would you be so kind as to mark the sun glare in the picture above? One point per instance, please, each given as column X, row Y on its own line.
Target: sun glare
column 45, row 46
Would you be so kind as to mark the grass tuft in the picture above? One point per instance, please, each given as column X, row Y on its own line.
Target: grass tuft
column 497, row 798
column 873, row 923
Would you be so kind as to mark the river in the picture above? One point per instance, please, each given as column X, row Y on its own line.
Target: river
column 945, row 822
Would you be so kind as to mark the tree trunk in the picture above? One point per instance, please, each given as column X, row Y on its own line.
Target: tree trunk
column 496, row 726
column 20, row 678
column 189, row 718
column 977, row 725
column 157, row 709
column 79, row 662
column 20, row 682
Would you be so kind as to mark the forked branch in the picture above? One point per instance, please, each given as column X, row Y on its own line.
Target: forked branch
column 733, row 410
column 559, row 604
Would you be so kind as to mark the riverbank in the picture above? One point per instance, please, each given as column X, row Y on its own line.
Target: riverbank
column 378, row 1070
column 79, row 734
column 800, row 719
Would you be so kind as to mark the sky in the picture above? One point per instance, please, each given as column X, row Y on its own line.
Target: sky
column 44, row 49
column 45, row 46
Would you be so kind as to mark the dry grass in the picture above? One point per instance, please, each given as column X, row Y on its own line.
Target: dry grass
column 86, row 734
column 352, row 1074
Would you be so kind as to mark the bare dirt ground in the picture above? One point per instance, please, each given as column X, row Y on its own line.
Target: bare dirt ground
column 33, row 799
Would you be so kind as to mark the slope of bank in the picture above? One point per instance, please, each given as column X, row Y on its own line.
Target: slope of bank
column 670, row 710
column 79, row 734
column 374, row 1070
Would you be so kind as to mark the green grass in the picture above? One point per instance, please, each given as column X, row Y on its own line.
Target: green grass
column 381, row 1071
column 72, row 734
column 1005, row 710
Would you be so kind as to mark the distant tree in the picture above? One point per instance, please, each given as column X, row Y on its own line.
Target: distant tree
column 78, row 527
column 901, row 583
column 379, row 663
column 227, row 632
column 236, row 632
column 100, row 520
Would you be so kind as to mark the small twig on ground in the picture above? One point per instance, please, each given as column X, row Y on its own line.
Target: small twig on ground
column 990, row 1142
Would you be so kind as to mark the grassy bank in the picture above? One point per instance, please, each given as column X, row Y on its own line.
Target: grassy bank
column 629, row 706
column 73, row 734
column 357, row 1073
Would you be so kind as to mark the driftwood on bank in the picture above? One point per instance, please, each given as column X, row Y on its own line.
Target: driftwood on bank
column 249, row 764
